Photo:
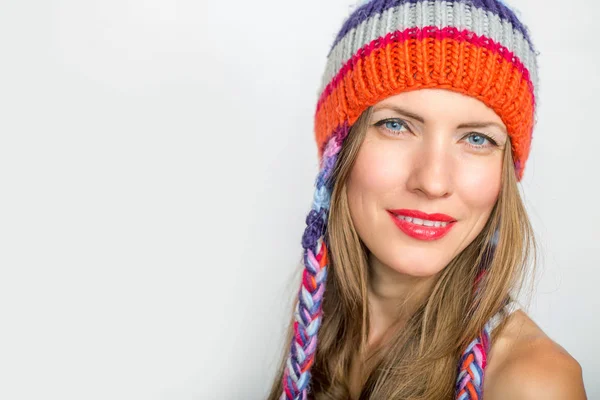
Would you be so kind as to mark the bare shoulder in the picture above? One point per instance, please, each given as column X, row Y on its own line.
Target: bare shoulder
column 524, row 364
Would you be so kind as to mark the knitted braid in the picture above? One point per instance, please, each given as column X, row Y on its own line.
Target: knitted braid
column 471, row 367
column 469, row 384
column 296, row 378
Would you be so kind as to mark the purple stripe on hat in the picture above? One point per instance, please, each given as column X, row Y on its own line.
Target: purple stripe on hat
column 379, row 6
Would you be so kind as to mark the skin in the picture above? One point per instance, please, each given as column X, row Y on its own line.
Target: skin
column 525, row 364
column 416, row 155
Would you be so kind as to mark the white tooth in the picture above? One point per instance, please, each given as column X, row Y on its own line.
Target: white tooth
column 428, row 223
column 408, row 219
column 444, row 223
column 437, row 224
column 417, row 221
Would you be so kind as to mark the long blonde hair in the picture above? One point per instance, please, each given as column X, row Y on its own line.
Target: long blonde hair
column 420, row 360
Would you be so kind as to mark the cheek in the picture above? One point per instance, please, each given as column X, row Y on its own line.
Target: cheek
column 378, row 169
column 376, row 181
column 480, row 185
column 373, row 183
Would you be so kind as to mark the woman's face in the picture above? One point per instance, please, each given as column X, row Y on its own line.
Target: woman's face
column 429, row 151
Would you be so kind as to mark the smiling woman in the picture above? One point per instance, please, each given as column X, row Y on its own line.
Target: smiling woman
column 420, row 165
column 418, row 239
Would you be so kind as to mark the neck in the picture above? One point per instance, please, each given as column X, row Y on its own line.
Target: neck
column 393, row 297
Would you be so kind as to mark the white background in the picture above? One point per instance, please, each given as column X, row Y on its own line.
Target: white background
column 156, row 167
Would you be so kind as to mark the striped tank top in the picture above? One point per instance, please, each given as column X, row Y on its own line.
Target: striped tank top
column 508, row 309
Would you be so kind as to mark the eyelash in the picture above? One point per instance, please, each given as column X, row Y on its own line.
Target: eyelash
column 470, row 134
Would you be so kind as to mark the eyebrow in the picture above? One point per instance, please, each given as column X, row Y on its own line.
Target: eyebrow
column 422, row 120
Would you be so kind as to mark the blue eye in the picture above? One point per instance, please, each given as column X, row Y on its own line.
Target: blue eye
column 393, row 125
column 478, row 141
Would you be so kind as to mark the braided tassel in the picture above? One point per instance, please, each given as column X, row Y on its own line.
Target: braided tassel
column 308, row 320
column 471, row 367
column 296, row 378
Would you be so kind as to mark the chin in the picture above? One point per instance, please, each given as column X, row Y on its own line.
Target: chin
column 412, row 262
column 422, row 270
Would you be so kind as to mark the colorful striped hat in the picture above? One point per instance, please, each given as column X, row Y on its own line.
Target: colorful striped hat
column 385, row 47
column 475, row 47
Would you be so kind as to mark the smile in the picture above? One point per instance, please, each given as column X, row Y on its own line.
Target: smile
column 423, row 222
column 422, row 226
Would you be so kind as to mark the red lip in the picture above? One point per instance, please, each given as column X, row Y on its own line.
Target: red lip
column 422, row 215
column 422, row 232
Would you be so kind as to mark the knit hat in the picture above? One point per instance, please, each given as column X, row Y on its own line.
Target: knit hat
column 385, row 47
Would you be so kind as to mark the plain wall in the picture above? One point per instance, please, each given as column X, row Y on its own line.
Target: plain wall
column 157, row 164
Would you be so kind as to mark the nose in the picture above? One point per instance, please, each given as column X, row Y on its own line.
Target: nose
column 430, row 174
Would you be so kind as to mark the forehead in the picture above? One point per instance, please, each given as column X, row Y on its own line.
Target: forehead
column 440, row 105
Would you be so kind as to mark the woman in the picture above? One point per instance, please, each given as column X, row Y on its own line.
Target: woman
column 418, row 238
